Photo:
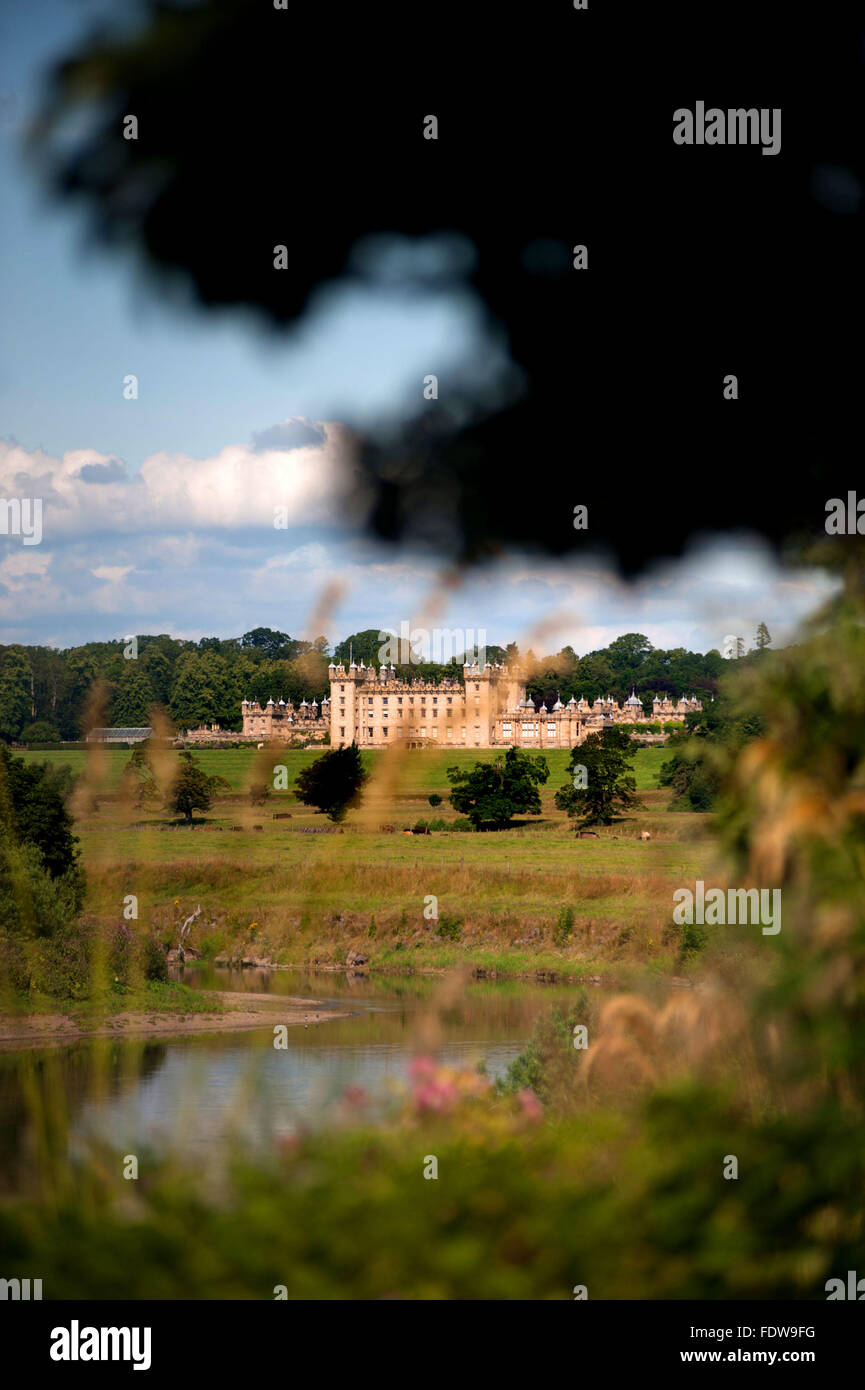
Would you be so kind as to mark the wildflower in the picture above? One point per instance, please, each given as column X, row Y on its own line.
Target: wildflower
column 421, row 1068
column 531, row 1106
column 354, row 1095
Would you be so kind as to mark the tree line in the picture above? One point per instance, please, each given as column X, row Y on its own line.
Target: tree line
column 48, row 694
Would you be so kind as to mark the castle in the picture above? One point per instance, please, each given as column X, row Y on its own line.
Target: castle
column 488, row 709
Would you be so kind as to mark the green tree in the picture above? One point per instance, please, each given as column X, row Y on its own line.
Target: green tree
column 763, row 638
column 138, row 778
column 16, row 675
column 192, row 789
column 269, row 642
column 132, row 699
column 43, row 731
column 204, row 691
column 33, row 811
column 490, row 794
column 363, row 647
column 607, row 757
column 334, row 782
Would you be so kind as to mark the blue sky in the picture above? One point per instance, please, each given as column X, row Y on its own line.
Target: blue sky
column 158, row 512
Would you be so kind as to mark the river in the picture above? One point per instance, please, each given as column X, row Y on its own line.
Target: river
column 193, row 1093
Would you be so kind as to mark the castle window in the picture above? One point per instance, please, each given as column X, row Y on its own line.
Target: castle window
column 370, row 733
column 385, row 732
column 528, row 729
column 506, row 730
column 399, row 700
column 435, row 714
column 551, row 730
column 384, row 699
column 450, row 733
column 342, row 687
column 342, row 732
column 435, row 699
column 423, row 732
column 450, row 700
column 477, row 687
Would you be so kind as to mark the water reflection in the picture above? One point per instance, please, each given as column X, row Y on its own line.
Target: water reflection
column 194, row 1092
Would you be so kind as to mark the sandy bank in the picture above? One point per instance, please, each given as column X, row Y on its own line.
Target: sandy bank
column 241, row 1011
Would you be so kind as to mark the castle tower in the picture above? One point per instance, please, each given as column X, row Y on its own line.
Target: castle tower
column 342, row 705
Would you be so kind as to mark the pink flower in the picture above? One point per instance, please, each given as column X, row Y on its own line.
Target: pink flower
column 421, row 1068
column 354, row 1095
column 532, row 1108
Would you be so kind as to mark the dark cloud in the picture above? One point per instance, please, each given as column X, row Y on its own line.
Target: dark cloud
column 297, row 433
column 113, row 472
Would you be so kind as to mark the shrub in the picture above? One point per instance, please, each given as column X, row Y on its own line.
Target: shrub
column 41, row 732
column 63, row 965
column 435, row 799
column 32, row 902
column 564, row 927
column 420, row 827
column 123, row 945
column 449, row 928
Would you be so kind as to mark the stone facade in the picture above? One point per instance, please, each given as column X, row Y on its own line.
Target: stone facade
column 278, row 722
column 488, row 709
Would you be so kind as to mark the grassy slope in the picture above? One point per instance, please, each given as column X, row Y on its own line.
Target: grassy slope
column 314, row 895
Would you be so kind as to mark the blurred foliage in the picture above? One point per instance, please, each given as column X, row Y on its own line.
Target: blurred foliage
column 700, row 752
column 619, row 1184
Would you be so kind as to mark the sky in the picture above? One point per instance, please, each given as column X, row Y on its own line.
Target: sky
column 159, row 511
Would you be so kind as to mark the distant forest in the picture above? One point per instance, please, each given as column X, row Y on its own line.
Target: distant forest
column 47, row 695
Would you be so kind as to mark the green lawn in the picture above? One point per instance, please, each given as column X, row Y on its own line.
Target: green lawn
column 314, row 888
column 423, row 771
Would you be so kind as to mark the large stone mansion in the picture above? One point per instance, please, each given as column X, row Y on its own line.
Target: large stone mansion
column 488, row 709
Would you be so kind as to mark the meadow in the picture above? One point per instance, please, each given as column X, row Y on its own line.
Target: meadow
column 299, row 890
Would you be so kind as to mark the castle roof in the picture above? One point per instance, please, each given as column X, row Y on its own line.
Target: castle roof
column 632, row 699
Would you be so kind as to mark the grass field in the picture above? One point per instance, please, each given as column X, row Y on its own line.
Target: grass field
column 315, row 890
column 424, row 771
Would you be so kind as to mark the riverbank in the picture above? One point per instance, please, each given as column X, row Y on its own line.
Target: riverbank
column 256, row 1011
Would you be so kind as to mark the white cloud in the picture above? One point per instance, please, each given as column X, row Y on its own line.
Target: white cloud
column 112, row 574
column 173, row 492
